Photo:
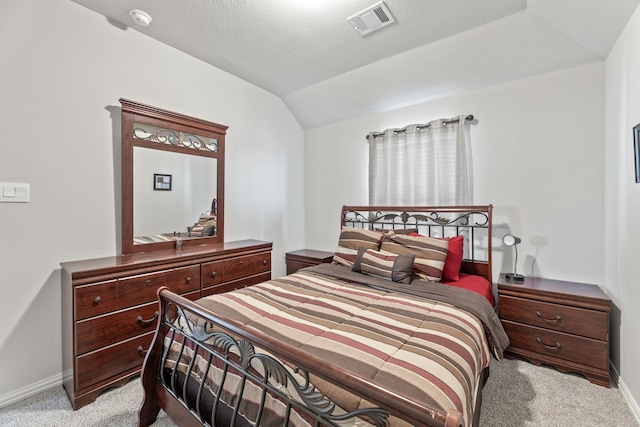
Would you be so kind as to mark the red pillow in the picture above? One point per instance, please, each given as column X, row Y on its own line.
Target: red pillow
column 453, row 262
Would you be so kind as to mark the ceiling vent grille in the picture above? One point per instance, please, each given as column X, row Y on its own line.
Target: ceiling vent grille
column 371, row 19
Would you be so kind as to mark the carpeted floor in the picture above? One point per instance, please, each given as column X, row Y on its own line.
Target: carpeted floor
column 517, row 394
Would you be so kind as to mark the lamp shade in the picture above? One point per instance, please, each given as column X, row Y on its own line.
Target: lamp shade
column 510, row 240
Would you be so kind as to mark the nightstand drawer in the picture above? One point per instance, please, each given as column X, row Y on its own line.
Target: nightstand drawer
column 585, row 351
column 573, row 320
column 302, row 258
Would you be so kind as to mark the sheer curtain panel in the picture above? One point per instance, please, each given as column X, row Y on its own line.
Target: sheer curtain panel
column 421, row 165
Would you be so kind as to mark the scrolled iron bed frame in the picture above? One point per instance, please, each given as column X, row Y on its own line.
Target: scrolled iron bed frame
column 234, row 345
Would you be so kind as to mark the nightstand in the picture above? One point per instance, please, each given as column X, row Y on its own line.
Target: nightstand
column 306, row 258
column 558, row 323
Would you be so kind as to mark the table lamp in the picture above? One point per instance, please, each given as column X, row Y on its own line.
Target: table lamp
column 511, row 240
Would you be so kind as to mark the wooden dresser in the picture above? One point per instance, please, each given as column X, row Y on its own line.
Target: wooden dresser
column 305, row 258
column 558, row 323
column 109, row 308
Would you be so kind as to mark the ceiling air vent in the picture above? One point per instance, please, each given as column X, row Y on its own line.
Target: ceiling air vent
column 372, row 19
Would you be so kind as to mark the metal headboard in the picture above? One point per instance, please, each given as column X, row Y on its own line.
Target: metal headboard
column 472, row 222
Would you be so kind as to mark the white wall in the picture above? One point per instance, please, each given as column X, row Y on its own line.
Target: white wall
column 62, row 71
column 622, row 204
column 537, row 157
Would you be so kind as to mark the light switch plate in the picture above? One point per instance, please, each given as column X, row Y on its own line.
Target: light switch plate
column 13, row 192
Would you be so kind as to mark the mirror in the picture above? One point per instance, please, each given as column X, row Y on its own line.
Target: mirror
column 172, row 179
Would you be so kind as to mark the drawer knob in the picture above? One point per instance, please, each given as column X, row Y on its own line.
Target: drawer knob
column 97, row 299
column 142, row 321
column 264, row 262
column 546, row 319
column 189, row 279
column 548, row 347
column 147, row 282
column 141, row 350
column 213, row 274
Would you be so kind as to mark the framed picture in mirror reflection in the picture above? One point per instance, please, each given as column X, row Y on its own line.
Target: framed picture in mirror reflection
column 161, row 182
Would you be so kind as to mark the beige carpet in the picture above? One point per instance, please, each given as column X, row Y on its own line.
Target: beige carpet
column 517, row 394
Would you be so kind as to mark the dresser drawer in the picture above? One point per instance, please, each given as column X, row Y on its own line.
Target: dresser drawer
column 95, row 299
column 573, row 320
column 212, row 273
column 236, row 268
column 140, row 289
column 91, row 368
column 109, row 329
column 585, row 351
column 186, row 279
column 236, row 284
column 263, row 262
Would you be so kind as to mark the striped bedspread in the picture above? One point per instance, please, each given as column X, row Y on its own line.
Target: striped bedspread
column 420, row 347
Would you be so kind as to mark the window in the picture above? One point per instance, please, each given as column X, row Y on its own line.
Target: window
column 421, row 165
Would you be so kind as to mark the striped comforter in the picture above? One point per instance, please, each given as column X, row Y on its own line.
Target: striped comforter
column 425, row 348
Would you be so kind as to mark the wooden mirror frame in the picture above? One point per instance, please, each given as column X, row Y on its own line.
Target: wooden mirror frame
column 135, row 112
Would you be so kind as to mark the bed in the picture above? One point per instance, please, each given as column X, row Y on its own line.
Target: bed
column 382, row 336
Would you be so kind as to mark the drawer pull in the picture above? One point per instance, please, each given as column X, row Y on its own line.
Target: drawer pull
column 147, row 282
column 264, row 262
column 557, row 319
column 213, row 274
column 189, row 279
column 141, row 321
column 548, row 347
column 97, row 299
column 141, row 350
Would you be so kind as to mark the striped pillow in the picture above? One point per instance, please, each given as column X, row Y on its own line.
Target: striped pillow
column 350, row 240
column 384, row 264
column 430, row 254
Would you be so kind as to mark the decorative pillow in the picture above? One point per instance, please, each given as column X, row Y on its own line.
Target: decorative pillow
column 430, row 254
column 350, row 240
column 452, row 264
column 384, row 264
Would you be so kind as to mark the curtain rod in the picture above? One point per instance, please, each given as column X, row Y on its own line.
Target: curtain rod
column 445, row 122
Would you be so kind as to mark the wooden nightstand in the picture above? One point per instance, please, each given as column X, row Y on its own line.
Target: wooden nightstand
column 562, row 324
column 306, row 258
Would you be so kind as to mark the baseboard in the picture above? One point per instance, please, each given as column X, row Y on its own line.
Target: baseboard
column 635, row 409
column 30, row 390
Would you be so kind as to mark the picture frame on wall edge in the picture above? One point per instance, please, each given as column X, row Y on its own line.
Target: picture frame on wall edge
column 636, row 150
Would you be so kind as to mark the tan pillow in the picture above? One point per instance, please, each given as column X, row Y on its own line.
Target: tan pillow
column 351, row 239
column 430, row 254
column 398, row 230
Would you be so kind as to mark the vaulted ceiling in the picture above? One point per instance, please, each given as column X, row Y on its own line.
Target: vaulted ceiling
column 307, row 53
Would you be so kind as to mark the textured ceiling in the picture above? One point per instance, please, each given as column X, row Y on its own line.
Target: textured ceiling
column 306, row 52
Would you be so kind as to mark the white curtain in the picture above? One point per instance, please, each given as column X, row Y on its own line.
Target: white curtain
column 421, row 165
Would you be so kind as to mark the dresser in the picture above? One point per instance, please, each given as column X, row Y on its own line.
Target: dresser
column 558, row 323
column 306, row 258
column 109, row 308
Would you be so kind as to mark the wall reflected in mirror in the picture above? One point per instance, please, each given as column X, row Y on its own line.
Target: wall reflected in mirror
column 158, row 214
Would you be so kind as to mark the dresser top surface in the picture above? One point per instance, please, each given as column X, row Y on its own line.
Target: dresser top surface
column 159, row 257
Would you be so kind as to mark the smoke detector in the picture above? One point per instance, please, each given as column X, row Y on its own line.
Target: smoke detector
column 140, row 17
column 372, row 19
